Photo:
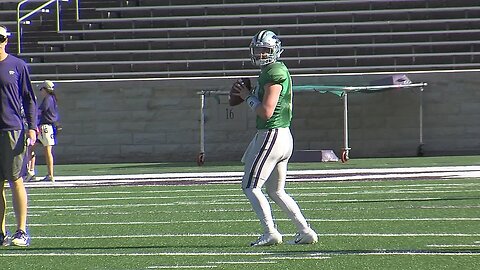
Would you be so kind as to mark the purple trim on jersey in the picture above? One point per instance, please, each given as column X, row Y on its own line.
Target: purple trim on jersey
column 18, row 103
column 47, row 111
column 267, row 149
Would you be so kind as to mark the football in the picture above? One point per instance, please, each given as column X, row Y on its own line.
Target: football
column 234, row 100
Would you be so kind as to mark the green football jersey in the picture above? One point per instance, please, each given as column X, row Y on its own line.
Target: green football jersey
column 276, row 73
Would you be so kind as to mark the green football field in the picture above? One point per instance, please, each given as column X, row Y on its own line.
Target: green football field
column 408, row 221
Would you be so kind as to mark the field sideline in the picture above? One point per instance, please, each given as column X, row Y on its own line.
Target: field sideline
column 134, row 216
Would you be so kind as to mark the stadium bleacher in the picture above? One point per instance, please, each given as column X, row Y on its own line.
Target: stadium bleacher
column 141, row 38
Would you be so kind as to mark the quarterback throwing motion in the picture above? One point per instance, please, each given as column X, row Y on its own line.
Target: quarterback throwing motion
column 267, row 155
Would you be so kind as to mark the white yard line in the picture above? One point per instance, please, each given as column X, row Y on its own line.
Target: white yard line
column 403, row 234
column 409, row 253
column 246, row 210
column 235, row 235
column 121, row 254
column 38, row 192
column 250, row 254
column 234, row 221
column 455, row 246
column 182, row 267
column 300, row 258
column 243, row 262
column 209, row 203
column 315, row 194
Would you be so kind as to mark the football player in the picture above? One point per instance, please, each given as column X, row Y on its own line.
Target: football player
column 267, row 155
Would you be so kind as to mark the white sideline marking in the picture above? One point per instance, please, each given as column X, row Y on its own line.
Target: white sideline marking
column 389, row 170
column 235, row 177
column 139, row 198
column 169, row 191
column 214, row 175
column 256, row 234
column 206, row 254
column 404, row 234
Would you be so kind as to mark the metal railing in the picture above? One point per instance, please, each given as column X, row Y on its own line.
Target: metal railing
column 77, row 10
column 42, row 8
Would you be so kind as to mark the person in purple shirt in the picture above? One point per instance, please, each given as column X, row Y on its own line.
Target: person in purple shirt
column 47, row 119
column 18, row 121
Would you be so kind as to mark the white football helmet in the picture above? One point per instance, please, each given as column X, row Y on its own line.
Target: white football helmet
column 265, row 48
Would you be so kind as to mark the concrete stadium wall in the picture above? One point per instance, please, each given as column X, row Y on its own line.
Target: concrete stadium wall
column 159, row 120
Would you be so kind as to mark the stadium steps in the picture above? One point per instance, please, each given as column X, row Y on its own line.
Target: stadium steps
column 343, row 40
column 303, row 50
column 209, row 65
column 179, row 38
column 249, row 71
column 284, row 29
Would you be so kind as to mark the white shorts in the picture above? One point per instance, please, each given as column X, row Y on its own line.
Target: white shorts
column 46, row 135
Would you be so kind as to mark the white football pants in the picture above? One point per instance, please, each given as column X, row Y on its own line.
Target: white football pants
column 266, row 161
